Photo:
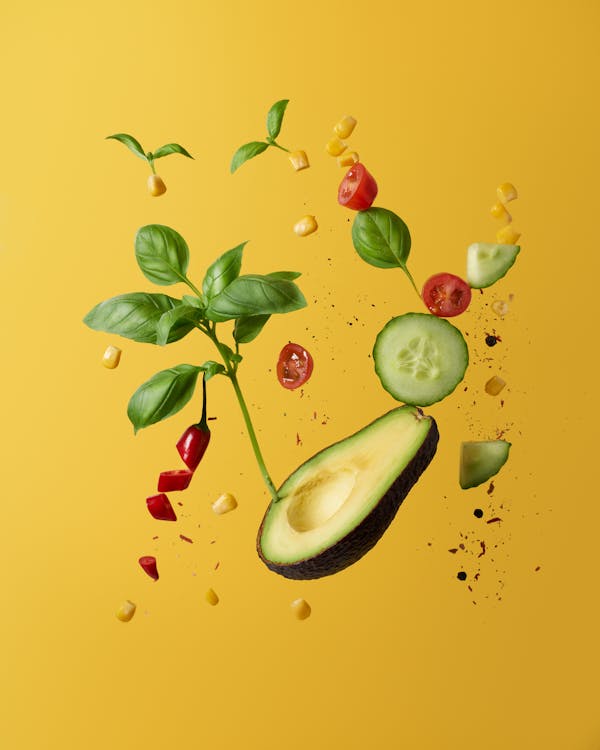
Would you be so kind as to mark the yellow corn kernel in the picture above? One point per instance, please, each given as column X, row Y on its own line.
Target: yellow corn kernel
column 211, row 597
column 344, row 128
column 500, row 307
column 498, row 211
column 111, row 357
column 507, row 235
column 347, row 159
column 494, row 385
column 506, row 192
column 224, row 504
column 126, row 611
column 156, row 186
column 299, row 160
column 306, row 225
column 301, row 608
column 335, row 147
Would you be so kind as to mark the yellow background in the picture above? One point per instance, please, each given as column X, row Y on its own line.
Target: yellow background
column 451, row 99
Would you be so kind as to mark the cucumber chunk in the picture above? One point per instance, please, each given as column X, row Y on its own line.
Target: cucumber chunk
column 480, row 460
column 420, row 358
column 487, row 262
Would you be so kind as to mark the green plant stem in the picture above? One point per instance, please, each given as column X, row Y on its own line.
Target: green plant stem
column 273, row 143
column 412, row 281
column 196, row 291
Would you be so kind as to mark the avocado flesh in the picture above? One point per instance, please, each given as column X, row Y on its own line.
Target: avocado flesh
column 337, row 505
column 481, row 460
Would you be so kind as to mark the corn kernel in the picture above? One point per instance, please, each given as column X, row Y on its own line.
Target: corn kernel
column 111, row 357
column 498, row 211
column 506, row 192
column 156, row 186
column 306, row 225
column 335, row 147
column 126, row 611
column 500, row 307
column 494, row 385
column 301, row 608
column 211, row 597
column 344, row 128
column 224, row 504
column 299, row 160
column 507, row 235
column 347, row 159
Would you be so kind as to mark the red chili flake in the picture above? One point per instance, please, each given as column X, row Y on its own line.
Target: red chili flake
column 217, row 566
column 186, row 539
column 314, row 414
column 494, row 520
column 210, row 418
column 477, row 576
column 298, row 440
column 148, row 564
column 154, row 537
column 213, row 541
column 453, row 551
column 491, row 488
column 462, row 546
column 482, row 553
column 538, row 567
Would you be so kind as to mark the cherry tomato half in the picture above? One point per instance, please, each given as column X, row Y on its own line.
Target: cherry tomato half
column 358, row 188
column 294, row 367
column 446, row 295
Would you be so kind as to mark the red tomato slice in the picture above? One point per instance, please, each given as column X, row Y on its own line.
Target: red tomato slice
column 294, row 367
column 358, row 188
column 446, row 295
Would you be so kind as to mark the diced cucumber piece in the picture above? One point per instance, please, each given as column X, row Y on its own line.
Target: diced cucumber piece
column 480, row 460
column 487, row 262
column 420, row 358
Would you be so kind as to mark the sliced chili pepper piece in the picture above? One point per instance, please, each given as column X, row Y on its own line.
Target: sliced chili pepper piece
column 192, row 445
column 148, row 564
column 172, row 481
column 160, row 508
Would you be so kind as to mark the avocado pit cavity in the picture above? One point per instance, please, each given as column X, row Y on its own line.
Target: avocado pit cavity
column 319, row 498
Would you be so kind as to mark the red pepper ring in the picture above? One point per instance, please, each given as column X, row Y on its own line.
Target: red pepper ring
column 175, row 480
column 148, row 564
column 193, row 444
column 160, row 508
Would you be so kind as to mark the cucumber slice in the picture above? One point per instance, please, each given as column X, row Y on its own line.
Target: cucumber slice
column 480, row 460
column 420, row 358
column 487, row 262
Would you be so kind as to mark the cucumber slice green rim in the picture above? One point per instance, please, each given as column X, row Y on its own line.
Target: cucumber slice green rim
column 420, row 358
column 488, row 262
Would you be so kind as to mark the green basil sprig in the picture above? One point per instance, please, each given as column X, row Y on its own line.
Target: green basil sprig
column 148, row 156
column 254, row 148
column 382, row 239
column 162, row 396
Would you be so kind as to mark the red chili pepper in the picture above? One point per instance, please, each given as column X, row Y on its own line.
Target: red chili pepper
column 148, row 564
column 172, row 481
column 160, row 508
column 194, row 441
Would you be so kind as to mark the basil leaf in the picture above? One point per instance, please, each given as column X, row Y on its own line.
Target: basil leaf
column 233, row 357
column 211, row 368
column 130, row 142
column 255, row 295
column 381, row 238
column 275, row 117
column 245, row 152
column 169, row 319
column 222, row 272
column 171, row 148
column 289, row 275
column 189, row 299
column 162, row 254
column 135, row 316
column 162, row 396
column 248, row 327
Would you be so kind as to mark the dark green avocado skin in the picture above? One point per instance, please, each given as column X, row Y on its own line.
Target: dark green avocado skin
column 366, row 535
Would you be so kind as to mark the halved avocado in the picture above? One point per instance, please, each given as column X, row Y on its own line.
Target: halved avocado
column 335, row 507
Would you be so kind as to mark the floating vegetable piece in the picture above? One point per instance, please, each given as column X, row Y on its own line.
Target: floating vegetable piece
column 161, row 508
column 507, row 235
column 487, row 262
column 500, row 307
column 358, row 189
column 335, row 147
column 225, row 503
column 345, row 127
column 480, row 460
column 494, row 385
column 175, row 480
column 111, row 357
column 299, row 160
column 305, row 226
column 506, row 192
column 148, row 565
column 348, row 159
column 446, row 295
column 156, row 186
column 294, row 366
column 211, row 597
column 126, row 611
column 301, row 609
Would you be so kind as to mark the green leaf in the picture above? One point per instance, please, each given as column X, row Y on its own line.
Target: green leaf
column 248, row 327
column 222, row 272
column 275, row 117
column 233, row 357
column 162, row 254
column 171, row 318
column 130, row 142
column 211, row 368
column 135, row 316
column 246, row 152
column 255, row 295
column 381, row 238
column 162, row 396
column 189, row 299
column 171, row 148
column 289, row 275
